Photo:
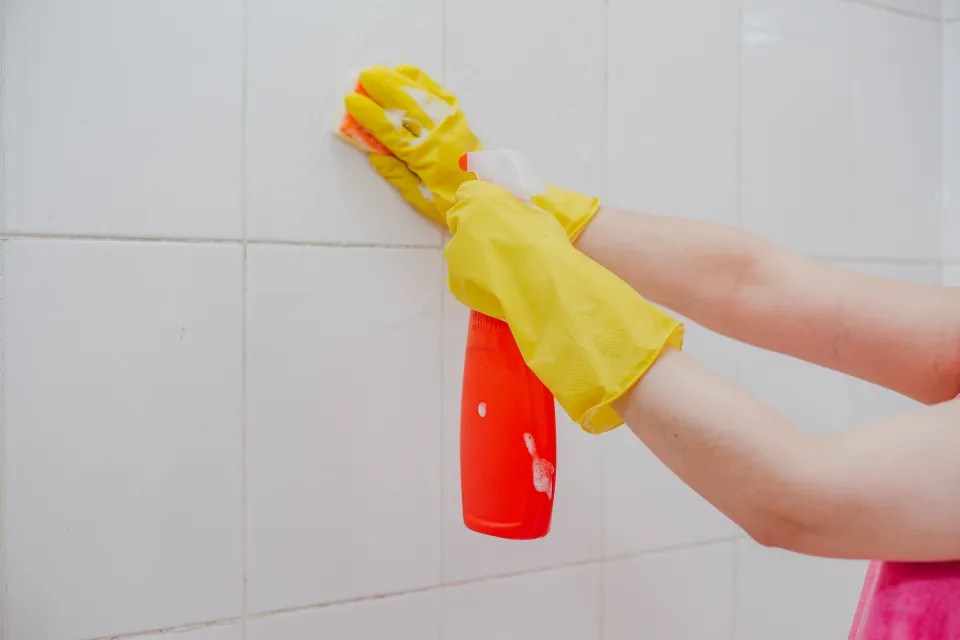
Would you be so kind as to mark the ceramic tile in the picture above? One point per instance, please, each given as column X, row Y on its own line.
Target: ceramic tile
column 562, row 605
column 797, row 125
column 673, row 108
column 303, row 183
column 654, row 596
column 777, row 592
column 122, row 436
column 343, row 357
column 534, row 82
column 951, row 140
column 123, row 118
column 897, row 134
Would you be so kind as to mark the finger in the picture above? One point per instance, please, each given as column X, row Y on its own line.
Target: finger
column 420, row 78
column 394, row 171
column 373, row 118
column 392, row 91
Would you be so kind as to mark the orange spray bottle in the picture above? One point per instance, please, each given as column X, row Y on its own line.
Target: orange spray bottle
column 508, row 442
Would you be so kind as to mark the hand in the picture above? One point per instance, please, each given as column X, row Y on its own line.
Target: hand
column 585, row 333
column 420, row 123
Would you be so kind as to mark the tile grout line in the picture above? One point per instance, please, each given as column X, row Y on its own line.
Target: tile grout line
column 441, row 622
column 738, row 353
column 602, row 622
column 244, row 479
column 16, row 235
column 3, row 324
column 152, row 633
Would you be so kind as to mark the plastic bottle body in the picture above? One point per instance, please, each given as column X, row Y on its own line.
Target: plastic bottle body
column 508, row 444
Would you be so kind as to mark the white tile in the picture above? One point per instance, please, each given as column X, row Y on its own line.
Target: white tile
column 534, row 82
column 302, row 182
column 797, row 125
column 122, row 436
column 561, row 605
column 673, row 107
column 792, row 597
column 344, row 423
column 951, row 9
column 575, row 530
column 123, row 118
column 407, row 617
column 951, row 275
column 951, row 140
column 897, row 134
column 680, row 594
column 926, row 8
column 818, row 400
column 217, row 632
column 645, row 505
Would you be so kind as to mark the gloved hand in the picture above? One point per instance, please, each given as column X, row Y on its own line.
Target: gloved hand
column 585, row 333
column 421, row 125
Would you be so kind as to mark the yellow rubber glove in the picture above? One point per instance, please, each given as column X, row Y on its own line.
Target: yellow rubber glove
column 585, row 333
column 420, row 123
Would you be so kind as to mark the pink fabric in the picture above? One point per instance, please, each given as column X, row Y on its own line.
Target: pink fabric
column 909, row 601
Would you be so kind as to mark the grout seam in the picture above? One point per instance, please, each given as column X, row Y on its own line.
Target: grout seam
column 602, row 622
column 197, row 626
column 3, row 323
column 244, row 479
column 895, row 10
column 16, row 235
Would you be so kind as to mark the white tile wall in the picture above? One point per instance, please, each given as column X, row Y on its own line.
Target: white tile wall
column 407, row 617
column 678, row 594
column 122, row 436
column 262, row 441
column 897, row 135
column 796, row 115
column 951, row 9
column 672, row 133
column 123, row 118
column 557, row 49
column 951, row 140
column 343, row 423
column 563, row 605
column 303, row 183
column 791, row 597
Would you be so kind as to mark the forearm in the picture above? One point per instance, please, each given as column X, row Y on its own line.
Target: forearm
column 886, row 491
column 898, row 335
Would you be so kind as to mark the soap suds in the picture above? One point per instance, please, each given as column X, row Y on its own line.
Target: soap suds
column 395, row 117
column 543, row 470
column 425, row 192
column 435, row 108
column 482, row 409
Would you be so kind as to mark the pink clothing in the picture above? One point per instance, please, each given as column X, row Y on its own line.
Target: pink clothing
column 909, row 601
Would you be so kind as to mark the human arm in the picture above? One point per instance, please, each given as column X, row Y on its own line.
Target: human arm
column 886, row 490
column 901, row 336
column 883, row 491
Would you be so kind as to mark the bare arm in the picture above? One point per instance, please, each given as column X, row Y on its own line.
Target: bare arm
column 885, row 491
column 901, row 336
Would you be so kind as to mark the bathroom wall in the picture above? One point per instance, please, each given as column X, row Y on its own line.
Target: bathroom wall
column 231, row 369
column 951, row 141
